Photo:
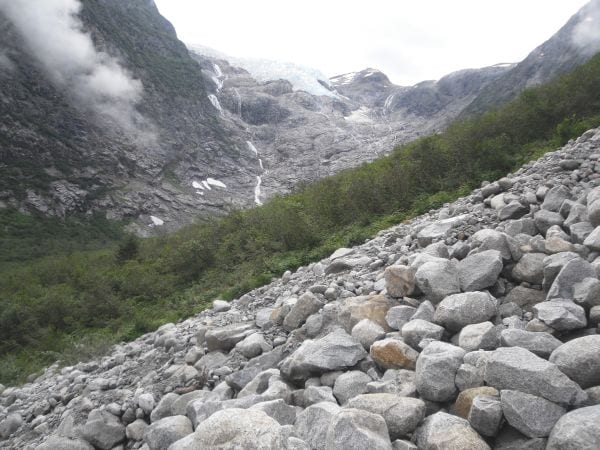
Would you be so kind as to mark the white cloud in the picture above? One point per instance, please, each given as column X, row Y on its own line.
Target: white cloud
column 409, row 40
column 587, row 33
column 54, row 35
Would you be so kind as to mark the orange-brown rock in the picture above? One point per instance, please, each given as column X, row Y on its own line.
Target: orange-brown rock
column 462, row 405
column 394, row 354
column 372, row 307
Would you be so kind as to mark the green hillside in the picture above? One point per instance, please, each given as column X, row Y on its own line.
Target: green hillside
column 68, row 304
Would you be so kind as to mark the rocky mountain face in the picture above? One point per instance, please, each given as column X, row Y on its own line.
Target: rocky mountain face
column 576, row 42
column 474, row 326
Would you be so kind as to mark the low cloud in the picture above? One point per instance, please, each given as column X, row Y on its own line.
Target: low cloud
column 54, row 35
column 6, row 63
column 586, row 34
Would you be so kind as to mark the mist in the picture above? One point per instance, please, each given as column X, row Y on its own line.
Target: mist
column 6, row 63
column 586, row 34
column 54, row 35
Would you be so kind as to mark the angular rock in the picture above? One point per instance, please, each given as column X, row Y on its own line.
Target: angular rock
column 573, row 272
column 480, row 270
column 438, row 229
column 545, row 219
column 587, row 292
column 367, row 332
column 392, row 353
column 401, row 414
column 555, row 197
column 373, row 307
column 225, row 338
column 416, row 330
column 312, row 423
column 580, row 232
column 540, row 343
column 488, row 239
column 577, row 429
column 530, row 268
column 135, row 430
column 479, row 336
column 103, row 430
column 350, row 384
column 278, row 410
column 397, row 316
column 553, row 264
column 579, row 359
column 163, row 409
column 10, row 424
column 253, row 345
column 485, row 415
column 64, row 443
column 335, row 351
column 464, row 402
column 162, row 434
column 519, row 369
column 436, row 370
column 399, row 280
column 531, row 415
column 525, row 297
column 562, row 315
column 354, row 429
column 459, row 310
column 593, row 206
column 306, row 305
column 447, row 432
column 317, row 394
column 514, row 210
column 438, row 279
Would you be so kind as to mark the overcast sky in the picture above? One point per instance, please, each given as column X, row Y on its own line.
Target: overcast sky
column 410, row 41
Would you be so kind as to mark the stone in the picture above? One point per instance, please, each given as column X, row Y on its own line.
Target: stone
column 488, row 239
column 545, row 219
column 211, row 361
column 225, row 338
column 514, row 210
column 573, row 272
column 458, row 310
column 553, row 264
column 587, row 292
column 279, row 410
column 397, row 316
column 580, row 232
column 317, row 394
column 579, row 359
column 555, row 197
column 525, row 297
column 593, row 206
column 306, row 305
column 180, row 405
column 530, row 268
column 234, row 428
column 355, row 429
column 425, row 311
column 335, row 351
column 103, row 430
column 438, row 279
column 521, row 226
column 438, row 229
column 402, row 444
column 540, row 343
column 163, row 409
column 350, row 384
column 416, row 330
column 519, row 369
column 468, row 376
column 253, row 345
column 593, row 240
column 399, row 280
column 462, row 405
column 160, row 435
column 146, row 402
column 312, row 424
column 448, row 432
column 531, row 415
column 392, row 353
column 562, row 315
column 399, row 382
column 479, row 336
column 64, row 443
column 10, row 424
column 577, row 429
column 436, row 370
column 401, row 414
column 480, row 270
column 135, row 430
column 220, row 306
column 485, row 415
column 373, row 307
column 367, row 332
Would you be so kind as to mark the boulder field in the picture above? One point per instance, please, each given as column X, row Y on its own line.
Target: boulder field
column 475, row 326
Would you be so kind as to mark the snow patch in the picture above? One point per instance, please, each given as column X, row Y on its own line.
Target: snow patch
column 215, row 182
column 157, row 221
column 361, row 115
column 218, row 71
column 218, row 83
column 206, row 185
column 345, row 78
column 252, row 147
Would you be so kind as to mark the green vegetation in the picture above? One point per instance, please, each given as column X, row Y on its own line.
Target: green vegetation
column 69, row 303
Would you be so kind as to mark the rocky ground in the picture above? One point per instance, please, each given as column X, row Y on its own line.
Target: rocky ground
column 471, row 327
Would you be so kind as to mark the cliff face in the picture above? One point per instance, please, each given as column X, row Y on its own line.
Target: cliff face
column 472, row 326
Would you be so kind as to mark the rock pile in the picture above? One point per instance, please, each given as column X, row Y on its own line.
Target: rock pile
column 472, row 327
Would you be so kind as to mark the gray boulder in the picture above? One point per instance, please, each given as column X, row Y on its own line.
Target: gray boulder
column 573, row 271
column 530, row 268
column 436, row 370
column 593, row 206
column 480, row 270
column 580, row 232
column 278, row 410
column 306, row 305
column 562, row 315
column 555, row 197
column 335, row 351
column 253, row 345
column 103, row 430
column 448, row 432
column 10, row 424
column 64, row 443
column 545, row 219
column 485, row 415
column 553, row 264
column 160, row 435
column 519, row 369
column 479, row 336
column 540, row 343
column 438, row 279
column 163, row 409
column 397, row 316
column 587, row 292
column 317, row 394
column 579, row 359
column 312, row 423
column 459, row 310
column 531, row 415
column 225, row 338
column 350, row 384
column 401, row 414
column 355, row 429
column 593, row 240
column 514, row 210
column 416, row 330
column 366, row 332
column 576, row 430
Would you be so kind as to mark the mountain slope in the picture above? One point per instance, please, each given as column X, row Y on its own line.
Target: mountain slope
column 576, row 42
